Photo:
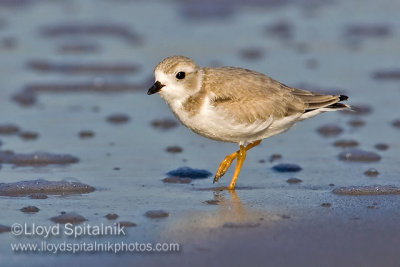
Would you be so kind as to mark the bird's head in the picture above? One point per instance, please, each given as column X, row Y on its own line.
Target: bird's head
column 176, row 78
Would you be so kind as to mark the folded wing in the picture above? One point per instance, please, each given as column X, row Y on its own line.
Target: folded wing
column 247, row 96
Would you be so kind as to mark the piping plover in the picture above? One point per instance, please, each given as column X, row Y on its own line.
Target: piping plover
column 236, row 105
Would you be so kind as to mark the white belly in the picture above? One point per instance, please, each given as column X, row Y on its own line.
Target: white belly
column 211, row 123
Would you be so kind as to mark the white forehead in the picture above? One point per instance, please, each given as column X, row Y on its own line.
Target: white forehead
column 161, row 76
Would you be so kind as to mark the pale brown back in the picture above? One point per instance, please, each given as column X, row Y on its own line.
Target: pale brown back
column 247, row 95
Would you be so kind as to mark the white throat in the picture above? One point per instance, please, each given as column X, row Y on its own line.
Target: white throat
column 175, row 93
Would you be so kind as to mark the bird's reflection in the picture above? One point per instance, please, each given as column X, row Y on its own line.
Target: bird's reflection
column 230, row 206
column 230, row 213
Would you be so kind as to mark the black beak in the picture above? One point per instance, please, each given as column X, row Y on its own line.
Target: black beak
column 155, row 88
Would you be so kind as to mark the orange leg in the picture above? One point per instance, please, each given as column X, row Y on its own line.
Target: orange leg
column 224, row 166
column 226, row 163
column 240, row 160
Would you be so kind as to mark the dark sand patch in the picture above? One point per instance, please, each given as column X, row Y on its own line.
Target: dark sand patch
column 371, row 172
column 367, row 190
column 30, row 209
column 275, row 157
column 356, row 123
column 252, row 54
column 28, row 136
column 346, row 143
column 83, row 68
column 282, row 29
column 294, row 180
column 174, row 149
column 84, row 134
column 36, row 158
column 41, row 186
column 330, row 130
column 382, row 146
column 8, row 129
column 358, row 155
column 91, row 29
column 4, row 229
column 78, row 48
column 164, row 124
column 156, row 214
column 393, row 74
column 70, row 217
column 396, row 123
column 118, row 118
column 111, row 216
column 126, row 224
column 28, row 95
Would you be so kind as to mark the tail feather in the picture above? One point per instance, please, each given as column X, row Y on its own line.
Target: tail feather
column 338, row 106
column 332, row 103
column 317, row 105
column 328, row 103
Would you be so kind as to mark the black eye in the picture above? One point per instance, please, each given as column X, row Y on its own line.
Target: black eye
column 180, row 75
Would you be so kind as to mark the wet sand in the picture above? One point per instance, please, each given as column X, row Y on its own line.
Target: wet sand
column 81, row 142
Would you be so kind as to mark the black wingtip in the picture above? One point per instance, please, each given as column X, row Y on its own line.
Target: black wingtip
column 343, row 97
